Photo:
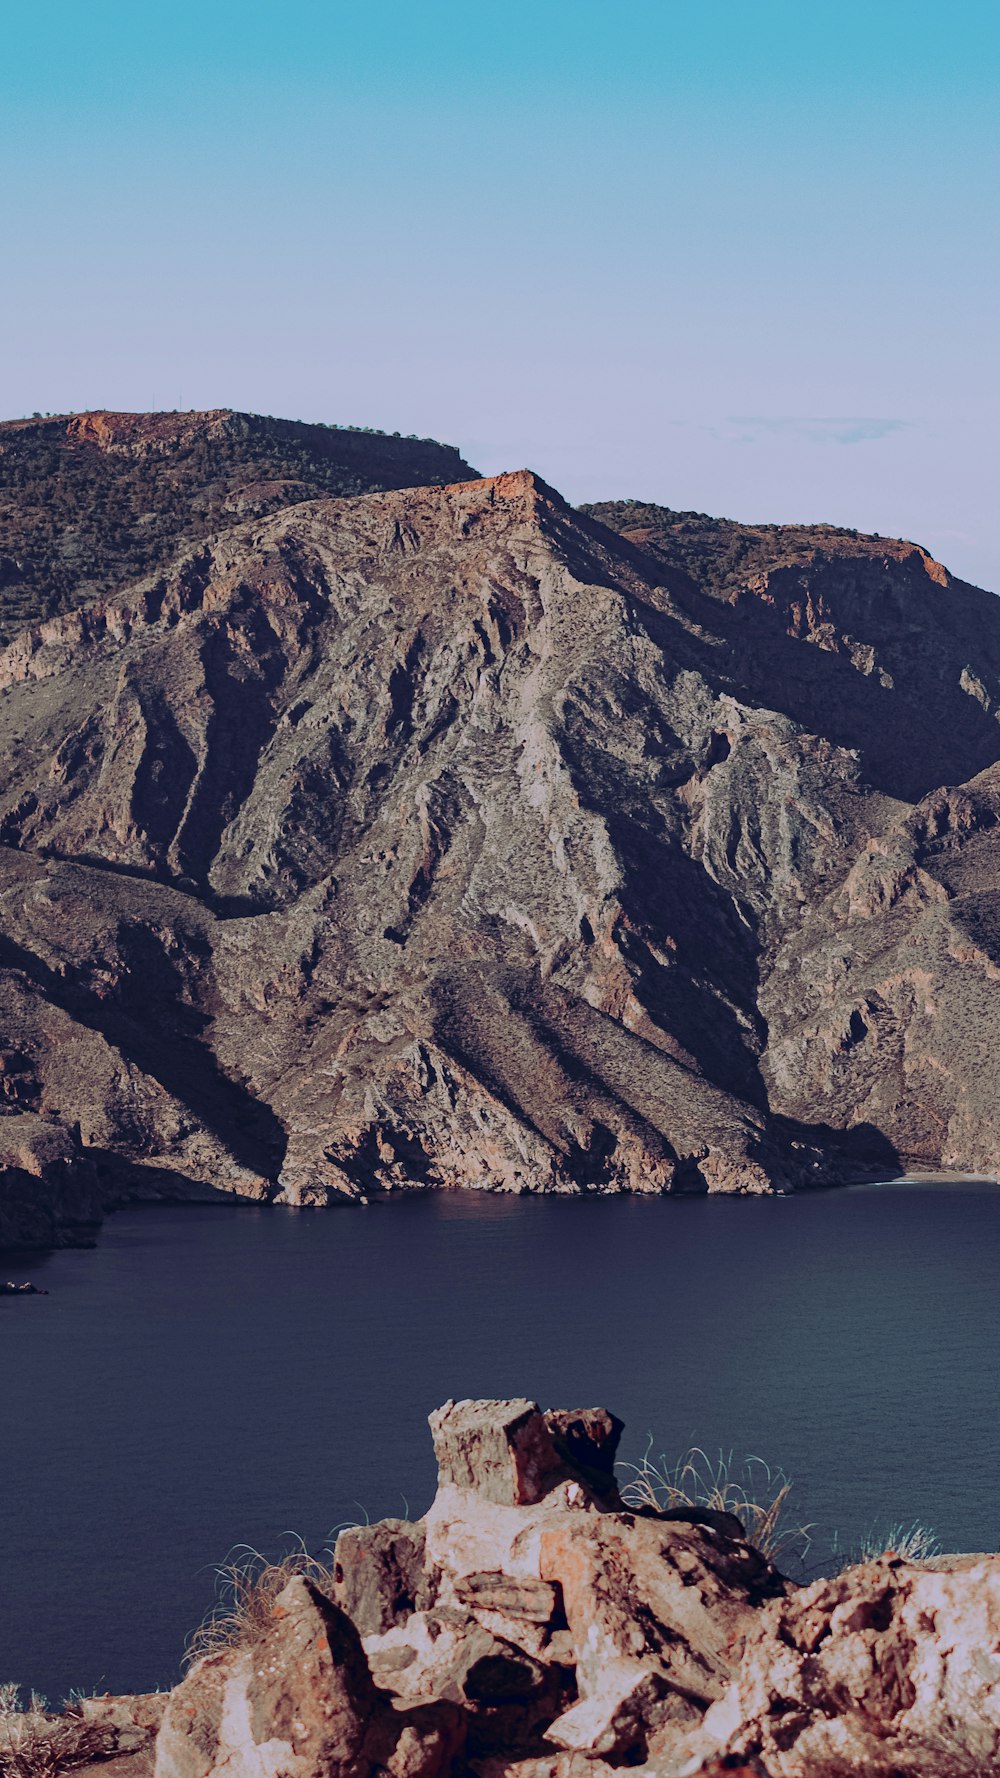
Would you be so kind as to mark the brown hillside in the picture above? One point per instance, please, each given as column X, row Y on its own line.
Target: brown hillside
column 443, row 836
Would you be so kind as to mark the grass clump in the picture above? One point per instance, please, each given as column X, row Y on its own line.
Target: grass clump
column 35, row 1744
column 913, row 1543
column 247, row 1586
column 750, row 1490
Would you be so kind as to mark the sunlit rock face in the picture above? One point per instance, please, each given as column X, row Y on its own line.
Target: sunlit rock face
column 443, row 836
column 534, row 1626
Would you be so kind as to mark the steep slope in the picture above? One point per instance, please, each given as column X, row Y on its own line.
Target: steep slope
column 89, row 502
column 444, row 837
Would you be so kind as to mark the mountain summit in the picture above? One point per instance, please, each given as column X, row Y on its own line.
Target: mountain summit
column 442, row 835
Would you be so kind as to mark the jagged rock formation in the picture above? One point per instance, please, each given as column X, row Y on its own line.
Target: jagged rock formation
column 533, row 1626
column 890, row 1668
column 445, row 836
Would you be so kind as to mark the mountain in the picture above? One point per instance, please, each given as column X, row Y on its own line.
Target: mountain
column 444, row 835
column 90, row 501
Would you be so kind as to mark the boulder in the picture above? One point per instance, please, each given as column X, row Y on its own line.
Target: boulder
column 501, row 1450
column 890, row 1668
column 379, row 1574
column 657, row 1612
column 299, row 1702
column 586, row 1441
column 512, row 1454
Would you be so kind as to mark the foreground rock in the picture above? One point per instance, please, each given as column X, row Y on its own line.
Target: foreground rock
column 298, row 1700
column 443, row 836
column 528, row 1616
column 532, row 1626
column 887, row 1670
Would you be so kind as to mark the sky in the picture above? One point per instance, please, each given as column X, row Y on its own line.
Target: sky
column 739, row 256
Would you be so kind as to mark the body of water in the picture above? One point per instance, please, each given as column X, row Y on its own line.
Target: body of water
column 213, row 1376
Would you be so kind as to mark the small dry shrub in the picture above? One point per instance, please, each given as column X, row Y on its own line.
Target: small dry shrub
column 246, row 1588
column 34, row 1746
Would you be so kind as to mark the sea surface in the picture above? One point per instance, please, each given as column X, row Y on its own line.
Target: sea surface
column 208, row 1377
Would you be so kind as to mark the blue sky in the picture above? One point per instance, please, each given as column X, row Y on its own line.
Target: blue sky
column 740, row 257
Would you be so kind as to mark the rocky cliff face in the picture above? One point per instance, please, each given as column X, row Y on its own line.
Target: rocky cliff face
column 446, row 836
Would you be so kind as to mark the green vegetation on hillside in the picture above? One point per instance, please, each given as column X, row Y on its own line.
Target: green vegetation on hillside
column 80, row 516
column 720, row 555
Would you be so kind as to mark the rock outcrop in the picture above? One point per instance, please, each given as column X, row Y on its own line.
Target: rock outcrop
column 49, row 1187
column 534, row 1626
column 528, row 1617
column 443, row 836
column 89, row 502
column 888, row 1669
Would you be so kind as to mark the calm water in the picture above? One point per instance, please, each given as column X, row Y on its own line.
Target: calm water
column 212, row 1376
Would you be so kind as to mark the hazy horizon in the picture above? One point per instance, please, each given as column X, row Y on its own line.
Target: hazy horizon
column 739, row 259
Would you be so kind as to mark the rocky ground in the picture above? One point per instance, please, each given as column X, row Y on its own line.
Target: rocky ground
column 445, row 836
column 533, row 1626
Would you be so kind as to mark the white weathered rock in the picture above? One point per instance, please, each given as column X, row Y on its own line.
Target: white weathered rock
column 890, row 1668
column 533, row 1625
column 299, row 1702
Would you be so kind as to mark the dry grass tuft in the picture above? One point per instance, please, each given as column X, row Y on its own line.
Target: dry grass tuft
column 914, row 1543
column 33, row 1745
column 247, row 1587
column 753, row 1492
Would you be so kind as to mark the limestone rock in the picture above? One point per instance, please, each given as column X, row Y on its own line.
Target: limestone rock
column 890, row 1668
column 379, row 1573
column 560, row 1615
column 513, row 1455
column 657, row 1612
column 299, row 1702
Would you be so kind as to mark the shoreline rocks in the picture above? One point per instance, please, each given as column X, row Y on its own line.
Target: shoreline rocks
column 49, row 1188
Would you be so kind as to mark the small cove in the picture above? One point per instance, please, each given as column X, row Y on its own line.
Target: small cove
column 208, row 1376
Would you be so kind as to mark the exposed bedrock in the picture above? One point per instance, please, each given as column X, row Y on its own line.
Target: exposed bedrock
column 443, row 836
column 531, row 1626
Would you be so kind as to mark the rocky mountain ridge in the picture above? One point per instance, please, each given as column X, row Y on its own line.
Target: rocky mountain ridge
column 91, row 501
column 443, row 835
